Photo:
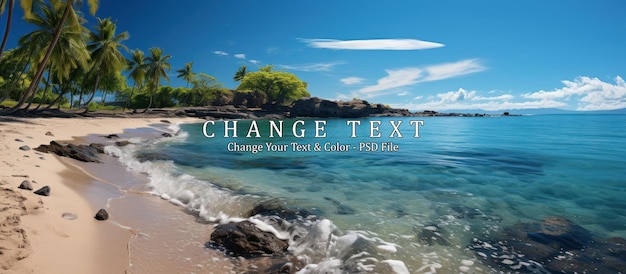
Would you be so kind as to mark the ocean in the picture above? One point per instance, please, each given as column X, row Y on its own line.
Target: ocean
column 391, row 195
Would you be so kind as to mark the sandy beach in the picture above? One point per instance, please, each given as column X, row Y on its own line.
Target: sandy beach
column 58, row 233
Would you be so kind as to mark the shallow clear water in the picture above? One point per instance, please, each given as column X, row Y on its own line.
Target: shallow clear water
column 469, row 176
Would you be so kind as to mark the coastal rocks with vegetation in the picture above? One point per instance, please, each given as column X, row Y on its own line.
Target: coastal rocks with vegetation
column 82, row 153
column 554, row 245
column 316, row 107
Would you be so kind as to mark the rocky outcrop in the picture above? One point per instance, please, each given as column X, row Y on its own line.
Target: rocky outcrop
column 316, row 107
column 79, row 152
column 554, row 245
column 246, row 240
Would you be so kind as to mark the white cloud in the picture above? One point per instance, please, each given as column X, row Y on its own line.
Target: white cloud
column 351, row 80
column 450, row 70
column 312, row 67
column 413, row 75
column 591, row 93
column 487, row 106
column 256, row 62
column 219, row 52
column 404, row 93
column 418, row 97
column 372, row 44
column 240, row 56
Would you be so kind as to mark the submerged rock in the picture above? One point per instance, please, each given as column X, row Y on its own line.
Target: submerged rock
column 246, row 240
column 279, row 209
column 554, row 245
column 433, row 234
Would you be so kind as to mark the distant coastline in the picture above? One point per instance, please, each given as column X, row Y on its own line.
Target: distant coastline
column 312, row 107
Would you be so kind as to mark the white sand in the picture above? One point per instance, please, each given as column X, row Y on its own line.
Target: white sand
column 41, row 240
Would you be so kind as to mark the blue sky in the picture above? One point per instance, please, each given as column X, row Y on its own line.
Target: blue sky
column 436, row 55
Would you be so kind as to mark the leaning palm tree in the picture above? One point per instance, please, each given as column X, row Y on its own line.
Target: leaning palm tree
column 241, row 72
column 105, row 47
column 137, row 72
column 186, row 73
column 156, row 64
column 69, row 54
column 27, row 6
column 69, row 17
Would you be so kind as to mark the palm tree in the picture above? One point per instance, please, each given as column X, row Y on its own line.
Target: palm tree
column 71, row 52
column 186, row 73
column 71, row 18
column 105, row 54
column 27, row 6
column 241, row 72
column 156, row 65
column 137, row 72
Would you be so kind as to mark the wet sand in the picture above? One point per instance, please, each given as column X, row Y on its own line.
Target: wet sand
column 144, row 234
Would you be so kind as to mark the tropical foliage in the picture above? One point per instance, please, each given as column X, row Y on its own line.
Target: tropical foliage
column 64, row 63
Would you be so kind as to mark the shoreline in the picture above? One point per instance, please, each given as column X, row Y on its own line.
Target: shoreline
column 58, row 233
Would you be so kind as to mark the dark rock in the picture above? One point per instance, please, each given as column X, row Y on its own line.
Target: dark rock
column 112, row 136
column 246, row 240
column 278, row 209
column 44, row 191
column 166, row 135
column 341, row 208
column 433, row 234
column 99, row 147
column 166, row 121
column 151, row 156
column 102, row 215
column 79, row 152
column 26, row 185
column 25, row 148
column 122, row 143
column 558, row 233
column 19, row 140
column 556, row 245
column 49, row 133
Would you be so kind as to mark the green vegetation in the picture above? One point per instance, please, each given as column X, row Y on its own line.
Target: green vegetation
column 63, row 63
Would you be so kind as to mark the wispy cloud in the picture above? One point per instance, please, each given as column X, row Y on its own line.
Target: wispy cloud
column 256, row 62
column 240, row 56
column 404, row 93
column 219, row 52
column 351, row 80
column 591, row 93
column 372, row 44
column 325, row 66
column 413, row 75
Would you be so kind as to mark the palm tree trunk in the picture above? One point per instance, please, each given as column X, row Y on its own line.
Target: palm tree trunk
column 45, row 91
column 130, row 98
column 93, row 93
column 8, row 28
column 35, row 83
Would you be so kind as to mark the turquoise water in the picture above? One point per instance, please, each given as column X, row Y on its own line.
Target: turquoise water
column 468, row 176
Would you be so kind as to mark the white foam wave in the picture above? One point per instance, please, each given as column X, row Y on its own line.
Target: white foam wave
column 318, row 242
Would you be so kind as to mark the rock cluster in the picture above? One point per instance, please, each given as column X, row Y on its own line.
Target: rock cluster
column 554, row 245
column 316, row 107
column 82, row 153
